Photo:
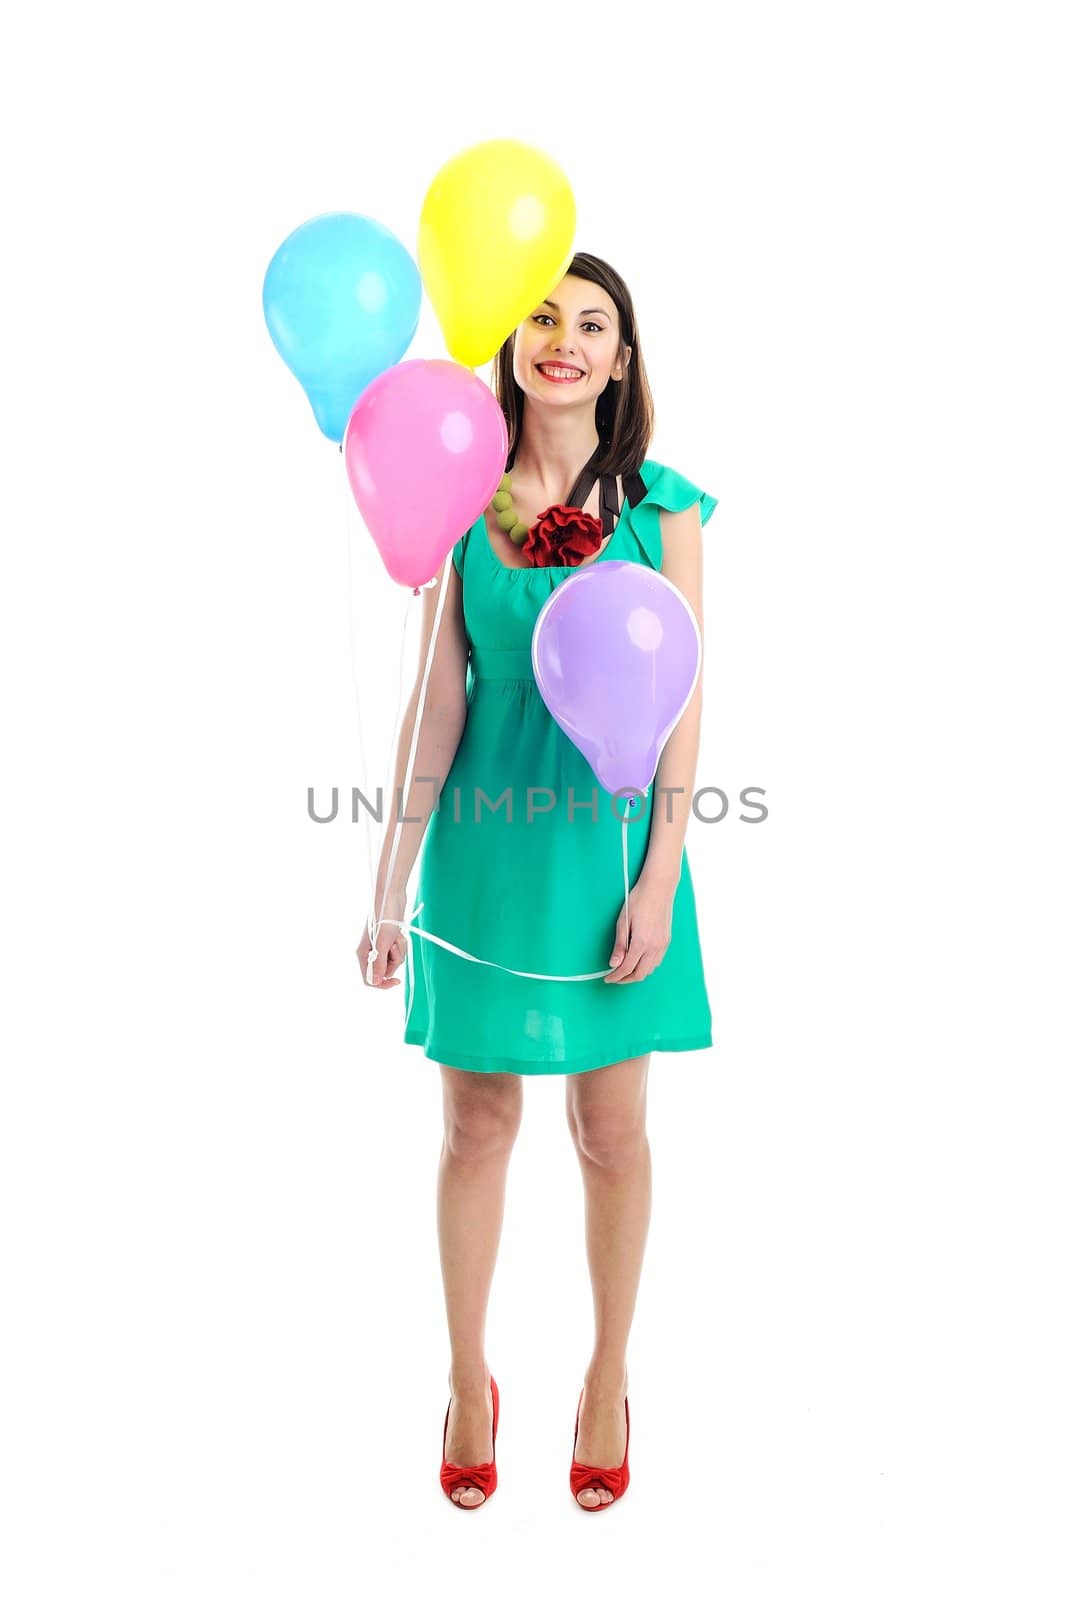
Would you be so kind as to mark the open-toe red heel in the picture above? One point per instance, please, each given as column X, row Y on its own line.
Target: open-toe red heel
column 482, row 1476
column 584, row 1476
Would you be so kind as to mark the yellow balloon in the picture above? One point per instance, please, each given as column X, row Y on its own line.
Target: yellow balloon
column 496, row 235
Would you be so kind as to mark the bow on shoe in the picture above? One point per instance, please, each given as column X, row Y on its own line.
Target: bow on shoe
column 482, row 1476
column 613, row 1478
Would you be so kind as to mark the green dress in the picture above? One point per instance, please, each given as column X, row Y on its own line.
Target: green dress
column 540, row 893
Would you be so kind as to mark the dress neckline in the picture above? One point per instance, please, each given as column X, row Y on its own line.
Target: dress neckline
column 556, row 566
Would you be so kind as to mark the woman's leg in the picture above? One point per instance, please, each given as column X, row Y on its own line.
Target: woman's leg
column 482, row 1113
column 606, row 1116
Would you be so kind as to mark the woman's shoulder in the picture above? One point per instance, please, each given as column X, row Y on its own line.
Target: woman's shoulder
column 666, row 489
column 460, row 548
column 672, row 490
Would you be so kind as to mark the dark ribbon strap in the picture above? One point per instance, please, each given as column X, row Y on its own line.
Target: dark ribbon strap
column 609, row 503
column 633, row 488
column 583, row 484
column 609, row 493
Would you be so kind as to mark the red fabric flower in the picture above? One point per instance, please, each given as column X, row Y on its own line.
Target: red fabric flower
column 563, row 536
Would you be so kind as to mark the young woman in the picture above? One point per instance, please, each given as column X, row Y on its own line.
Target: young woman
column 522, row 860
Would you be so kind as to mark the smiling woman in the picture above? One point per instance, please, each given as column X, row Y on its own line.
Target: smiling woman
column 535, row 887
column 541, row 892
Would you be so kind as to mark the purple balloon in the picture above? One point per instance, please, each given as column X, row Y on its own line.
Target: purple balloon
column 616, row 656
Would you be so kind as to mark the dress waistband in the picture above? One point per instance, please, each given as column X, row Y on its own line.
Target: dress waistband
column 501, row 663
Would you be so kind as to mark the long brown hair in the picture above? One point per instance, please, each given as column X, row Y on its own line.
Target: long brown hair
column 624, row 415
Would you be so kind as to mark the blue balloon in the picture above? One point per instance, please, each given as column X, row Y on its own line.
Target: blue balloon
column 342, row 299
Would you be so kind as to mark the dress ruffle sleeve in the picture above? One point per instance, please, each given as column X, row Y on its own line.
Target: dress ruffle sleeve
column 459, row 551
column 669, row 491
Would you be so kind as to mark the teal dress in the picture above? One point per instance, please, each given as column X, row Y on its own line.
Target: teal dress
column 540, row 893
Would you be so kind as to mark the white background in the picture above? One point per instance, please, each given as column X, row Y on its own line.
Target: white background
column 226, row 1361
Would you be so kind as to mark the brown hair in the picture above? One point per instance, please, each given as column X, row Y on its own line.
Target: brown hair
column 624, row 415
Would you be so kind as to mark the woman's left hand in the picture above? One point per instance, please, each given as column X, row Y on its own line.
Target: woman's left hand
column 651, row 908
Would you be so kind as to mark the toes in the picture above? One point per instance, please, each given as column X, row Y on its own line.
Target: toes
column 595, row 1496
column 464, row 1494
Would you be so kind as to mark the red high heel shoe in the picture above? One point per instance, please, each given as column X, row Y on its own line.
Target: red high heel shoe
column 483, row 1475
column 584, row 1476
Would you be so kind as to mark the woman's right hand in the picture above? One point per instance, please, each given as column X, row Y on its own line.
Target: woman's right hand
column 392, row 947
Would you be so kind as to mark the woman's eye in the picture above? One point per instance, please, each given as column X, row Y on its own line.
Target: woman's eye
column 543, row 316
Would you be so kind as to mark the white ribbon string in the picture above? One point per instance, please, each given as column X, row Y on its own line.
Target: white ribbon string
column 551, row 977
column 374, row 922
column 350, row 524
column 408, row 926
column 626, row 875
column 350, row 519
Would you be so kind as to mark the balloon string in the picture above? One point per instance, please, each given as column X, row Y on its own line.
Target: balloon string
column 394, row 740
column 374, row 921
column 549, row 977
column 350, row 519
column 350, row 523
column 626, row 874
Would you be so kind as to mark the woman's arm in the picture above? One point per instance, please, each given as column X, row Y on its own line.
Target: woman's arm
column 652, row 896
column 683, row 564
column 444, row 716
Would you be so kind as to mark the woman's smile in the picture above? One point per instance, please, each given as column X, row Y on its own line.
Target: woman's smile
column 556, row 373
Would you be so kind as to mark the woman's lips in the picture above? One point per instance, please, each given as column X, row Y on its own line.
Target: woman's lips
column 554, row 378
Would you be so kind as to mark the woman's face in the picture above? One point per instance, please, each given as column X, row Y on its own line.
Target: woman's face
column 576, row 329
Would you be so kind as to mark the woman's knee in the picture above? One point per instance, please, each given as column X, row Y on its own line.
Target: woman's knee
column 606, row 1113
column 481, row 1117
column 611, row 1141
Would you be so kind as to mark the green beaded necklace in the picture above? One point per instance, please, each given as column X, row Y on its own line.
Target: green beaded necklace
column 506, row 515
column 508, row 518
column 633, row 487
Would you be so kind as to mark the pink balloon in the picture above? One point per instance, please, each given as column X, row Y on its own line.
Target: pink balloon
column 425, row 450
column 616, row 656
